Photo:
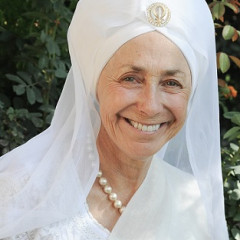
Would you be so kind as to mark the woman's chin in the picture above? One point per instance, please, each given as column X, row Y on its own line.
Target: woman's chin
column 141, row 151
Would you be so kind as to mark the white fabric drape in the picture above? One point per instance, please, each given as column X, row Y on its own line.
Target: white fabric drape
column 52, row 174
column 171, row 208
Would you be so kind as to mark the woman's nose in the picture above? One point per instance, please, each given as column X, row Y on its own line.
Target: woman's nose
column 149, row 102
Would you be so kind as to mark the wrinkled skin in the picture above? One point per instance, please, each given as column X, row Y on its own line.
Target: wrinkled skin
column 147, row 81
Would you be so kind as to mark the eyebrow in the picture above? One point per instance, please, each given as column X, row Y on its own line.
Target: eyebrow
column 170, row 72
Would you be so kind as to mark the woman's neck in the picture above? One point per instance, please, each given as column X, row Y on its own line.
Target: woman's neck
column 123, row 173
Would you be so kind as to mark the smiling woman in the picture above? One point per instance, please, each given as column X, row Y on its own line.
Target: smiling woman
column 133, row 149
column 143, row 93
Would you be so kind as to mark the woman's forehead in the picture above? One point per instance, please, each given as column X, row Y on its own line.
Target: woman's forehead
column 150, row 50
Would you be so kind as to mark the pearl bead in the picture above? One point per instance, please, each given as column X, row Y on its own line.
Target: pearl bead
column 103, row 181
column 113, row 196
column 107, row 189
column 99, row 174
column 121, row 209
column 117, row 204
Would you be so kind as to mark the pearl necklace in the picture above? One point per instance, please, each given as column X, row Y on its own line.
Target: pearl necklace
column 111, row 195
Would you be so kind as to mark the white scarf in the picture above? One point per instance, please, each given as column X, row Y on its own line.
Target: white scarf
column 48, row 178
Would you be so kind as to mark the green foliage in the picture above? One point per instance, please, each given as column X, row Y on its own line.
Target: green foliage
column 16, row 125
column 231, row 172
column 225, row 15
column 34, row 62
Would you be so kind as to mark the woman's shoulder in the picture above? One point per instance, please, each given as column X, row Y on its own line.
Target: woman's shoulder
column 187, row 203
column 182, row 180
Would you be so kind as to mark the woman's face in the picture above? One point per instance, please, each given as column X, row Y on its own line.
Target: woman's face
column 143, row 94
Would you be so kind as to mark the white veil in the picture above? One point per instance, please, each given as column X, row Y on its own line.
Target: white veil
column 48, row 178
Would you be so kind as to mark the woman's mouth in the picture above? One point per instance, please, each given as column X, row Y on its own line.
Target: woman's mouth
column 143, row 127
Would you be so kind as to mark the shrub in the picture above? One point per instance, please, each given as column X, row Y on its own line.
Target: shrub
column 225, row 14
column 34, row 63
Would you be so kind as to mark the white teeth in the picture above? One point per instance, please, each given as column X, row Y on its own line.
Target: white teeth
column 145, row 128
column 150, row 128
column 135, row 124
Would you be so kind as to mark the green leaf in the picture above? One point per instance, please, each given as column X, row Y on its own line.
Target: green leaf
column 37, row 122
column 11, row 113
column 4, row 142
column 49, row 118
column 224, row 62
column 38, row 95
column 231, row 132
column 25, row 76
column 60, row 73
column 53, row 47
column 234, row 147
column 43, row 36
column 237, row 218
column 236, row 233
column 236, row 119
column 237, row 170
column 217, row 25
column 235, row 194
column 232, row 6
column 218, row 10
column 50, row 46
column 36, row 115
column 43, row 62
column 31, row 95
column 230, row 115
column 23, row 113
column 19, row 89
column 47, row 108
column 15, row 78
column 233, row 116
column 228, row 32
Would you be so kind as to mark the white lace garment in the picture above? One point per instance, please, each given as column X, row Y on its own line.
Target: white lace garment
column 83, row 227
column 180, row 213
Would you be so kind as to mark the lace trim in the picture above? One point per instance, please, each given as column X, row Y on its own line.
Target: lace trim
column 95, row 220
column 84, row 227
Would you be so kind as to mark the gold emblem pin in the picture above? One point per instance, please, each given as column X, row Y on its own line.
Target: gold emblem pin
column 158, row 14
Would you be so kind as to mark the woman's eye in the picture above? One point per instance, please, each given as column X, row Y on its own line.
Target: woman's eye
column 129, row 79
column 172, row 84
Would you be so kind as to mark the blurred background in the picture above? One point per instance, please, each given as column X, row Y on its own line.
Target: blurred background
column 34, row 62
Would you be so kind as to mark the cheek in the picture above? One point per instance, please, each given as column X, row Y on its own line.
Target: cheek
column 110, row 105
column 116, row 98
column 178, row 106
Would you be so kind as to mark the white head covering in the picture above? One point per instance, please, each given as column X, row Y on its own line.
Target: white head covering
column 48, row 178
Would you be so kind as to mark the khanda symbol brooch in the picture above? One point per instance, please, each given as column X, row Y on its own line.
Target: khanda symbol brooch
column 158, row 14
